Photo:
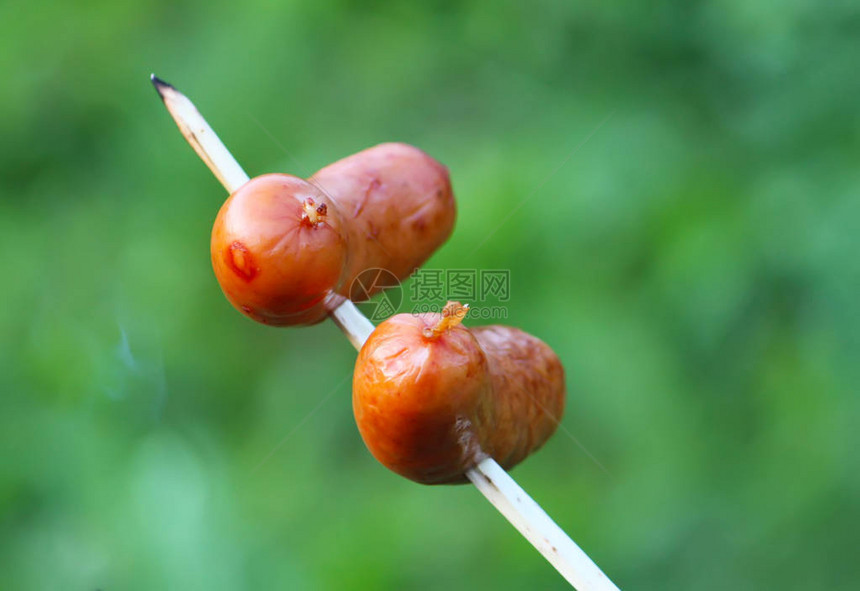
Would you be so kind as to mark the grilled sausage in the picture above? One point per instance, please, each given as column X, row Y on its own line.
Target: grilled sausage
column 278, row 249
column 432, row 398
column 286, row 251
column 399, row 204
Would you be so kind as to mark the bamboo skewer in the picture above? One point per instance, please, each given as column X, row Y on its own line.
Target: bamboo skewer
column 488, row 477
column 202, row 138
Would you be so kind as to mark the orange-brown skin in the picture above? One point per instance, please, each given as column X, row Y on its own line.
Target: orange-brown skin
column 399, row 203
column 429, row 406
column 389, row 207
column 528, row 383
column 273, row 262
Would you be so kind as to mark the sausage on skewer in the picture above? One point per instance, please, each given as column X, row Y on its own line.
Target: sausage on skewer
column 432, row 398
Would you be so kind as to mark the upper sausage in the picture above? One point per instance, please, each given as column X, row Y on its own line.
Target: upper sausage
column 278, row 247
column 286, row 251
column 432, row 398
column 399, row 205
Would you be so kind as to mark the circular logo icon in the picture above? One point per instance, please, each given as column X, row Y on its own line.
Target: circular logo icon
column 377, row 293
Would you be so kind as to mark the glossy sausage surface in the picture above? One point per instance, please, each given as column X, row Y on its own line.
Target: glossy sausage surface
column 399, row 204
column 274, row 262
column 286, row 251
column 431, row 403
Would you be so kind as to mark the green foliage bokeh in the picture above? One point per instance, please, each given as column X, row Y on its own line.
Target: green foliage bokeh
column 673, row 186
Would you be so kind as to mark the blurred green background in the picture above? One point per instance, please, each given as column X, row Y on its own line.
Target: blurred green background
column 694, row 263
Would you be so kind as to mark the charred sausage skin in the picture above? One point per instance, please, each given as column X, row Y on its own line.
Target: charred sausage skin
column 432, row 398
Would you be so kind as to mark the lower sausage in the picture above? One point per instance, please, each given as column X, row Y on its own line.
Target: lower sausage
column 432, row 398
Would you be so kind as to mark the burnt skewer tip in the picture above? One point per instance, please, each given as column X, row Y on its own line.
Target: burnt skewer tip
column 160, row 85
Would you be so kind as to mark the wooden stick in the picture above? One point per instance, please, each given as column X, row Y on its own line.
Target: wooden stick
column 353, row 323
column 537, row 527
column 488, row 477
column 201, row 137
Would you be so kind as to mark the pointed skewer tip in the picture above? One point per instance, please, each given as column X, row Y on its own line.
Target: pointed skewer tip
column 160, row 85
